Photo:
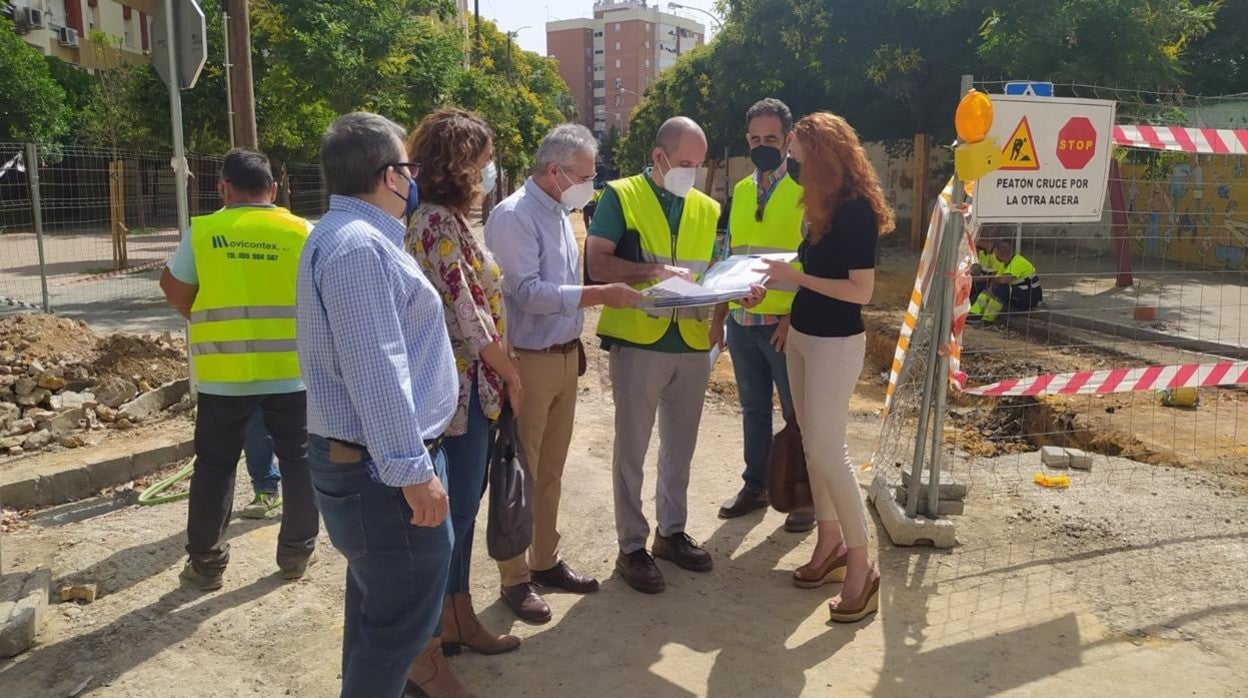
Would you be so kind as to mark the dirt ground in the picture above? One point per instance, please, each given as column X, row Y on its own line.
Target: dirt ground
column 1128, row 582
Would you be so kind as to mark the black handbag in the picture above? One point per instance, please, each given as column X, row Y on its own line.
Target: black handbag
column 509, row 530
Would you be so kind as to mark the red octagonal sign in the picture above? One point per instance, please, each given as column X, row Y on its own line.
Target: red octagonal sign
column 1076, row 143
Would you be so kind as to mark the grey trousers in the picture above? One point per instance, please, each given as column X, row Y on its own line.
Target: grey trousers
column 644, row 383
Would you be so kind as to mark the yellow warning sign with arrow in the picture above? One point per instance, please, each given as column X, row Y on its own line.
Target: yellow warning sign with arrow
column 1019, row 152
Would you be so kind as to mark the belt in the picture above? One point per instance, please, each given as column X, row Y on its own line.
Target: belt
column 565, row 348
column 431, row 445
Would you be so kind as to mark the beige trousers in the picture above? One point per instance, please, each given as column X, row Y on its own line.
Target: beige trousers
column 545, row 427
column 822, row 374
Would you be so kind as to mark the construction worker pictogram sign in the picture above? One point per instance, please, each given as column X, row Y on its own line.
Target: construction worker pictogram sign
column 1054, row 157
column 1019, row 152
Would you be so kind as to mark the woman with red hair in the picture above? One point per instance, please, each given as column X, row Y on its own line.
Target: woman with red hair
column 845, row 214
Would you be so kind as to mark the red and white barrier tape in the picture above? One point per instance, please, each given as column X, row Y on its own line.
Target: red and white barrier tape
column 1213, row 141
column 1119, row 380
column 110, row 274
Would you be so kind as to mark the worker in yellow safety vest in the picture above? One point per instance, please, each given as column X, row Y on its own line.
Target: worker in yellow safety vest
column 233, row 277
column 648, row 228
column 1015, row 288
column 766, row 217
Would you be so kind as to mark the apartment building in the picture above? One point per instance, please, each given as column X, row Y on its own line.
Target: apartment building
column 62, row 28
column 610, row 60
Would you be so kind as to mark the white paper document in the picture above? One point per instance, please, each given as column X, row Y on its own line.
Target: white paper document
column 726, row 280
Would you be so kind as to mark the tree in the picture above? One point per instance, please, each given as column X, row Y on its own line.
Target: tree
column 892, row 67
column 1217, row 63
column 32, row 104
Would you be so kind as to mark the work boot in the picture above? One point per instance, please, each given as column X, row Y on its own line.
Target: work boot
column 682, row 550
column 747, row 500
column 203, row 581
column 431, row 675
column 295, row 569
column 639, row 570
column 461, row 627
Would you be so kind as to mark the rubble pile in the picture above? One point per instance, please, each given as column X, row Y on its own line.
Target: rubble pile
column 62, row 385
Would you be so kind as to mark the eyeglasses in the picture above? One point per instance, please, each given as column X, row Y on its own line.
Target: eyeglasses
column 413, row 168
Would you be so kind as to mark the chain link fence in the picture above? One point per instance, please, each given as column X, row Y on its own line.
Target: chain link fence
column 87, row 237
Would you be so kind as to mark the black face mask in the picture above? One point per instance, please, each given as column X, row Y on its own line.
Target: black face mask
column 766, row 158
column 795, row 170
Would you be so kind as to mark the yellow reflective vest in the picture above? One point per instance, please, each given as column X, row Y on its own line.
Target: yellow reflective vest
column 243, row 318
column 780, row 230
column 692, row 248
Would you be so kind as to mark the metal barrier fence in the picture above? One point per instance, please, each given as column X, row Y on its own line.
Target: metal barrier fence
column 88, row 235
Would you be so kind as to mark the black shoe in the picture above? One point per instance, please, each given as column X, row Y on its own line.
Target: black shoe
column 747, row 500
column 799, row 521
column 563, row 577
column 525, row 602
column 682, row 550
column 639, row 570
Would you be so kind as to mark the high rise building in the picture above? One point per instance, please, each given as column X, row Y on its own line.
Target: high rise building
column 63, row 28
column 610, row 60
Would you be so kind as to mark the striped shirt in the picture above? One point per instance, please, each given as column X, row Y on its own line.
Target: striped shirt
column 372, row 342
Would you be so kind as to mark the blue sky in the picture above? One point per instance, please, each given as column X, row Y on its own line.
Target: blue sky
column 514, row 14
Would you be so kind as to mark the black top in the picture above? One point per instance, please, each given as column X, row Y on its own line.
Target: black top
column 848, row 244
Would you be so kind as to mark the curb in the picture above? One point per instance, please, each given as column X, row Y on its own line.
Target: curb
column 21, row 609
column 85, row 479
column 1140, row 334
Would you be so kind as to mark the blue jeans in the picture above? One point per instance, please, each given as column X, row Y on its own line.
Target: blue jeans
column 396, row 572
column 465, row 481
column 258, row 449
column 757, row 367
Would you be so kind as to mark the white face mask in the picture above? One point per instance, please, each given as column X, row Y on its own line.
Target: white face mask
column 489, row 175
column 679, row 180
column 577, row 195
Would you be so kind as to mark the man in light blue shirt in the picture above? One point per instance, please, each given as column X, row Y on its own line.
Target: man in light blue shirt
column 531, row 238
column 382, row 387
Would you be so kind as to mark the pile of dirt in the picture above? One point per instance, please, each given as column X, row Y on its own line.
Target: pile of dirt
column 61, row 384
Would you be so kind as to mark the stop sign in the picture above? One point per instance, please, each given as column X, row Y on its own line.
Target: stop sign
column 1076, row 143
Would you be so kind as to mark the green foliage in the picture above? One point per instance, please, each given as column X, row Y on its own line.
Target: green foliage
column 893, row 67
column 32, row 104
column 519, row 93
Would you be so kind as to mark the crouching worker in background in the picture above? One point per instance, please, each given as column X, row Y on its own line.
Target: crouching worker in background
column 1015, row 288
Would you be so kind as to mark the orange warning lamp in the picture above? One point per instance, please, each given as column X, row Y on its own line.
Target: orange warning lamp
column 973, row 119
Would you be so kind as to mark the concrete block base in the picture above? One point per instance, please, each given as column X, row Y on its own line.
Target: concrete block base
column 1055, row 457
column 944, row 507
column 23, row 596
column 1079, row 460
column 950, row 487
column 902, row 530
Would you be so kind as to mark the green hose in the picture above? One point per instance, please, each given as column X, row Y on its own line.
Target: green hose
column 151, row 496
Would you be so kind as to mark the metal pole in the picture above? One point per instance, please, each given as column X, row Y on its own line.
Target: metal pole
column 36, row 204
column 175, row 119
column 229, row 92
column 947, row 268
column 476, row 13
column 925, row 407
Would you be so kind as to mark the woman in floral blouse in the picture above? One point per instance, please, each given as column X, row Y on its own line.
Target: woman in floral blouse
column 455, row 149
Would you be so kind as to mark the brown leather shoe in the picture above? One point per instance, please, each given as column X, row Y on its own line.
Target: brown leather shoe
column 639, row 570
column 431, row 675
column 799, row 521
column 526, row 603
column 747, row 500
column 461, row 628
column 563, row 577
column 682, row 550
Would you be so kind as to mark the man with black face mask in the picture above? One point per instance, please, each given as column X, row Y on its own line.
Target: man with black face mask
column 766, row 217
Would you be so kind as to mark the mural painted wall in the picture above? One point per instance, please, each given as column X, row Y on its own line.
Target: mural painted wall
column 1197, row 213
